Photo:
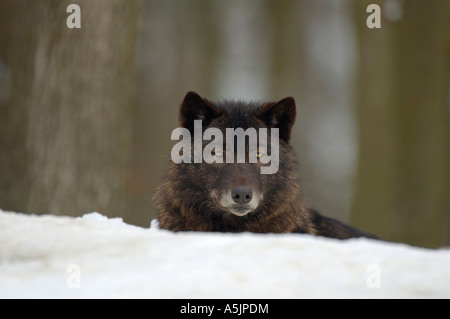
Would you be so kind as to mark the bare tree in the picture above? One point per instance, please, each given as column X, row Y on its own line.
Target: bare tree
column 65, row 116
column 402, row 190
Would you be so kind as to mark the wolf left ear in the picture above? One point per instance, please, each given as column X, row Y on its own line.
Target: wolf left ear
column 194, row 107
column 280, row 115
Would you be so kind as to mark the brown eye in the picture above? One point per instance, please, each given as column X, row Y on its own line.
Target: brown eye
column 217, row 153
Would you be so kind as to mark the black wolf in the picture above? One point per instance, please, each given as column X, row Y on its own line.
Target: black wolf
column 236, row 197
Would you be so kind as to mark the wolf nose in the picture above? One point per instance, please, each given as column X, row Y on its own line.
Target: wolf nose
column 242, row 194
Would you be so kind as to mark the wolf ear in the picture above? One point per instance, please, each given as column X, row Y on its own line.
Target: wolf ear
column 194, row 107
column 280, row 115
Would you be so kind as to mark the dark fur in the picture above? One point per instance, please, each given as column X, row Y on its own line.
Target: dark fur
column 184, row 197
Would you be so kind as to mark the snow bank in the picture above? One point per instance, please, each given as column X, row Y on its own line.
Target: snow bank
column 93, row 256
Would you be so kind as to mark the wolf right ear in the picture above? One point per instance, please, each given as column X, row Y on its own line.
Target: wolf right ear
column 194, row 107
column 280, row 115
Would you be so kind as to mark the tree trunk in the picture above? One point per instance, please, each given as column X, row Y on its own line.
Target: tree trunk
column 65, row 115
column 402, row 190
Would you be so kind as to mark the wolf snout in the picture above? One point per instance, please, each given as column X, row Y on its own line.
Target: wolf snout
column 239, row 200
column 242, row 194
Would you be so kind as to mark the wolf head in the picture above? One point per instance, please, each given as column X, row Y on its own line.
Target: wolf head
column 231, row 192
column 279, row 114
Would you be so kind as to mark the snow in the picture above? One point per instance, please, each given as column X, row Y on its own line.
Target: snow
column 97, row 257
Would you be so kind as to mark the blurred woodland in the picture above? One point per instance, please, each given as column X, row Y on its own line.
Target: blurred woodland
column 86, row 114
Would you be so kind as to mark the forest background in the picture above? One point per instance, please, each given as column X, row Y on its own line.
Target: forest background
column 86, row 114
